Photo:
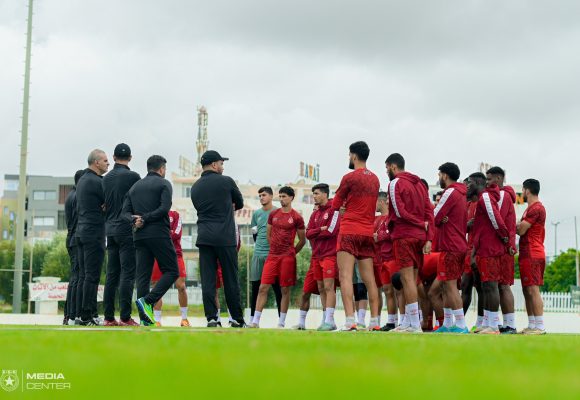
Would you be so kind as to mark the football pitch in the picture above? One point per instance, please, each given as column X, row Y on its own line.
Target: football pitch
column 110, row 363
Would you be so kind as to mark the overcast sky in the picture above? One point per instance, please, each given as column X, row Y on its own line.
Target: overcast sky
column 284, row 82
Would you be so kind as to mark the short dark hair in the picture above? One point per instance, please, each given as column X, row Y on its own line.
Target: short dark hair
column 439, row 193
column 425, row 183
column 266, row 189
column 287, row 190
column 451, row 169
column 533, row 185
column 396, row 159
column 383, row 195
column 361, row 149
column 479, row 177
column 155, row 163
column 496, row 171
column 78, row 175
column 323, row 187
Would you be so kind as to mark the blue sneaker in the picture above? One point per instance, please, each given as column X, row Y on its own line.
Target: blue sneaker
column 442, row 329
column 456, row 329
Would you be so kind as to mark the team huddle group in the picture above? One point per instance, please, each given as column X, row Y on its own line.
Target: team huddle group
column 426, row 258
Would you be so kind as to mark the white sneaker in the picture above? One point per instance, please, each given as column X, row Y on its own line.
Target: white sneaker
column 400, row 329
column 536, row 331
column 254, row 326
column 299, row 327
column 280, row 326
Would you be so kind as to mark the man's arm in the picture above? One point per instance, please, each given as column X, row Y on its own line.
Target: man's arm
column 301, row 240
column 237, row 197
column 445, row 204
column 331, row 230
column 341, row 194
column 493, row 214
column 127, row 210
column 399, row 205
column 164, row 206
column 312, row 233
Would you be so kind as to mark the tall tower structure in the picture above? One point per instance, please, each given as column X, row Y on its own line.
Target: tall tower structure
column 202, row 142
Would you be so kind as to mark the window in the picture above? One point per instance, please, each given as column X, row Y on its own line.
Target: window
column 43, row 221
column 12, row 216
column 187, row 192
column 6, row 211
column 61, row 221
column 44, row 195
column 63, row 191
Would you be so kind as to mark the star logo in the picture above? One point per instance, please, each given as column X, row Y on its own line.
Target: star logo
column 9, row 380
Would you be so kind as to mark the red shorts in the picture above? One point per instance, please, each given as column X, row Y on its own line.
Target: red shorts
column 361, row 247
column 389, row 269
column 310, row 284
column 489, row 268
column 156, row 274
column 325, row 268
column 409, row 252
column 219, row 282
column 532, row 271
column 280, row 269
column 450, row 266
column 507, row 270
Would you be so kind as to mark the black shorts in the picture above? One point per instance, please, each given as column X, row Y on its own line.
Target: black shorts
column 360, row 291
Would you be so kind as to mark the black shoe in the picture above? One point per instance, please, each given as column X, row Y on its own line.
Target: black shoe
column 90, row 322
column 388, row 327
column 502, row 329
column 65, row 321
column 77, row 321
column 214, row 323
column 236, row 324
column 508, row 330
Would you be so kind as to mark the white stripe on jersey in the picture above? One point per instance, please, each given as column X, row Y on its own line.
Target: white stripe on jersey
column 333, row 222
column 489, row 208
column 443, row 200
column 392, row 185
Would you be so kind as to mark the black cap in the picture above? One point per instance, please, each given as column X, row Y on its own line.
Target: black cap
column 122, row 150
column 211, row 156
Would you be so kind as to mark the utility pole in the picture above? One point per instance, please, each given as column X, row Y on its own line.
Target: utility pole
column 556, row 238
column 20, row 217
column 577, row 261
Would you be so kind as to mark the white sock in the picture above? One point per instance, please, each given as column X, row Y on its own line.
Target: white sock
column 405, row 321
column 183, row 312
column 448, row 318
column 350, row 321
column 413, row 313
column 282, row 319
column 391, row 318
column 540, row 322
column 219, row 315
column 402, row 318
column 531, row 322
column 329, row 316
column 324, row 312
column 459, row 318
column 157, row 314
column 302, row 320
column 362, row 313
column 486, row 321
column 479, row 322
column 374, row 322
column 257, row 315
column 509, row 320
column 494, row 319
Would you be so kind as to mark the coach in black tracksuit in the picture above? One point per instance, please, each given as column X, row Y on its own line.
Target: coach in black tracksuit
column 147, row 205
column 71, row 217
column 91, row 233
column 215, row 196
column 120, row 247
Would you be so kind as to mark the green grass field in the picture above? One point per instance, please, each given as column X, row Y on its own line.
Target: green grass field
column 197, row 363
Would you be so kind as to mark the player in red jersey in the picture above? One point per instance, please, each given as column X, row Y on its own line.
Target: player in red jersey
column 532, row 259
column 491, row 242
column 496, row 175
column 451, row 222
column 283, row 225
column 322, row 232
column 356, row 197
column 385, row 260
column 475, row 184
column 175, row 227
column 410, row 219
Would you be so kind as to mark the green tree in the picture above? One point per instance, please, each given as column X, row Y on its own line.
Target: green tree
column 57, row 261
column 561, row 273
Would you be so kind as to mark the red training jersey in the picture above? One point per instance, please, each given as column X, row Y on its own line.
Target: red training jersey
column 451, row 235
column 358, row 193
column 471, row 207
column 532, row 242
column 175, row 227
column 508, row 211
column 489, row 228
column 283, row 231
column 323, row 242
